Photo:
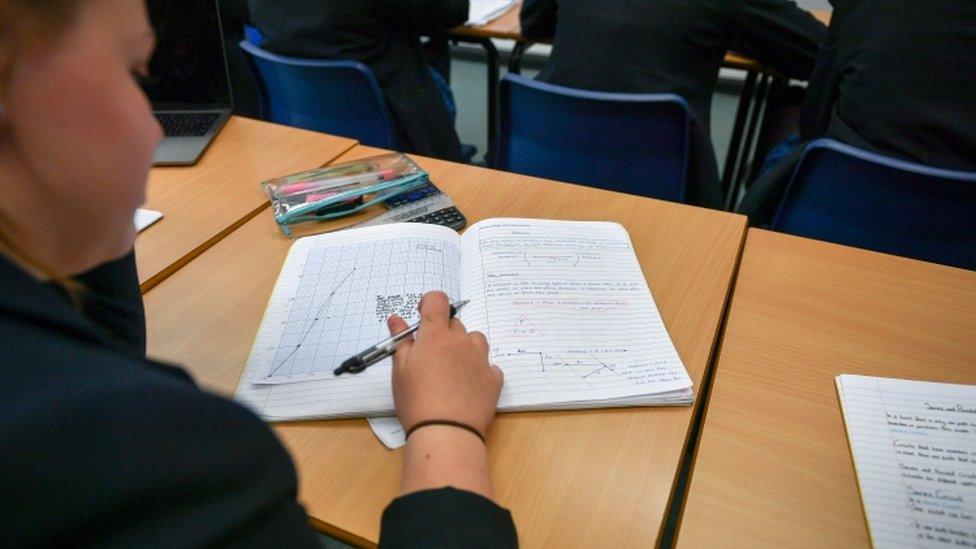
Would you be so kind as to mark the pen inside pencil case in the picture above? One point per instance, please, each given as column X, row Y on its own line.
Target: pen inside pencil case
column 336, row 189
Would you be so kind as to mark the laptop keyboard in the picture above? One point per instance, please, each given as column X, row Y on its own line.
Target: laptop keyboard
column 186, row 124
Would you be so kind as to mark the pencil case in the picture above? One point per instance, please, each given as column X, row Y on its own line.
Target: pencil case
column 341, row 189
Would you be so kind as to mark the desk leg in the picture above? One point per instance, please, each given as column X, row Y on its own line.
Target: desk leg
column 494, row 73
column 515, row 60
column 755, row 117
column 732, row 156
column 767, row 136
column 739, row 180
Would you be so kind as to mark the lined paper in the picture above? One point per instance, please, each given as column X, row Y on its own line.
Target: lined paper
column 569, row 316
column 914, row 448
column 564, row 304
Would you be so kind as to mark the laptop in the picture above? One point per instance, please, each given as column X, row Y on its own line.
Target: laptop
column 188, row 82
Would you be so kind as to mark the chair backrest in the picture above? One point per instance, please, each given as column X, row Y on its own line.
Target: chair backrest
column 337, row 97
column 633, row 143
column 850, row 196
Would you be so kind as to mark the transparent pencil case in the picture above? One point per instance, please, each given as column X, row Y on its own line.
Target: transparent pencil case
column 341, row 189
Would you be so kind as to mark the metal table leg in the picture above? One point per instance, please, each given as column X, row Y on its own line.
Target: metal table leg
column 515, row 60
column 494, row 73
column 755, row 117
column 732, row 156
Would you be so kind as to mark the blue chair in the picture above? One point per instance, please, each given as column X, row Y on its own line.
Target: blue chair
column 850, row 196
column 633, row 143
column 337, row 97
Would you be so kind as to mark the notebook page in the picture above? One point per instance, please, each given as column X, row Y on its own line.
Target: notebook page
column 481, row 12
column 567, row 312
column 144, row 218
column 331, row 301
column 914, row 448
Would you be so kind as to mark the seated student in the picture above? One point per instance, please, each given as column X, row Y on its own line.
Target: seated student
column 894, row 77
column 670, row 46
column 101, row 446
column 384, row 35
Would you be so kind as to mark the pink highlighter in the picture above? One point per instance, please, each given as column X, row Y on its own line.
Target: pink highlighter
column 367, row 179
column 308, row 185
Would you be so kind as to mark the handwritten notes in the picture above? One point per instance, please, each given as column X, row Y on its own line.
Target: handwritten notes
column 914, row 447
column 567, row 311
column 568, row 314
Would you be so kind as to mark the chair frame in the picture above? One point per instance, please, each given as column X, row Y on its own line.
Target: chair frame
column 256, row 52
column 501, row 159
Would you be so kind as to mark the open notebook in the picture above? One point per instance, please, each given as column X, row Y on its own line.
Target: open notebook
column 564, row 304
column 914, row 448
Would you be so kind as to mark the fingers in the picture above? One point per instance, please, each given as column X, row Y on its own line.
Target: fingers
column 480, row 342
column 434, row 309
column 397, row 325
column 498, row 373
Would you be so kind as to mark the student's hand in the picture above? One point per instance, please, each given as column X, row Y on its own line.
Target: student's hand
column 444, row 372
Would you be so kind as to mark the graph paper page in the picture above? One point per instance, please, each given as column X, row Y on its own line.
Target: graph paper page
column 331, row 301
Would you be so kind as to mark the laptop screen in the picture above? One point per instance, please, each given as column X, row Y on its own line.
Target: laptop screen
column 188, row 68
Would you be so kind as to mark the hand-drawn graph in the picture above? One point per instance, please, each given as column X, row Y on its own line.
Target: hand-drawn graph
column 344, row 295
column 583, row 364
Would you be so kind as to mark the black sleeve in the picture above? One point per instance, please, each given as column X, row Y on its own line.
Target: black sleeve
column 110, row 297
column 781, row 35
column 446, row 518
column 824, row 87
column 425, row 16
column 538, row 19
column 132, row 463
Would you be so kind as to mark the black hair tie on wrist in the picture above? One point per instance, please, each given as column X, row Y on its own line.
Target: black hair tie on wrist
column 448, row 422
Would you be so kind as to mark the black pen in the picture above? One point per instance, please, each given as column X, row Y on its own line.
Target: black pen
column 385, row 348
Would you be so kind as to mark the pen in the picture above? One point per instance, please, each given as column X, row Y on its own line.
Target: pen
column 385, row 348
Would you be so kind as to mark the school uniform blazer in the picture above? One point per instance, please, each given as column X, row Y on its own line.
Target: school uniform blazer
column 384, row 35
column 100, row 446
column 671, row 46
column 895, row 77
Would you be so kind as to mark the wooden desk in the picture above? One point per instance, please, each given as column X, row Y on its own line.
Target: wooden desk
column 202, row 204
column 773, row 468
column 570, row 478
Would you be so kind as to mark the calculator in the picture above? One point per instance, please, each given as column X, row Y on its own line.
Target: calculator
column 428, row 204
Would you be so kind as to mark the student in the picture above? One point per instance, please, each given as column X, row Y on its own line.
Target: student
column 385, row 35
column 670, row 46
column 894, row 77
column 101, row 446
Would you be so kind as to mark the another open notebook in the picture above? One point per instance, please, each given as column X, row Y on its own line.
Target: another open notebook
column 565, row 306
column 914, row 448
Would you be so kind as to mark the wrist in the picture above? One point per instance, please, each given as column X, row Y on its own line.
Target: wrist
column 466, row 427
column 441, row 455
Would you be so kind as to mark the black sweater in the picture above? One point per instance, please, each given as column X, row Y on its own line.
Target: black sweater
column 100, row 446
column 671, row 46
